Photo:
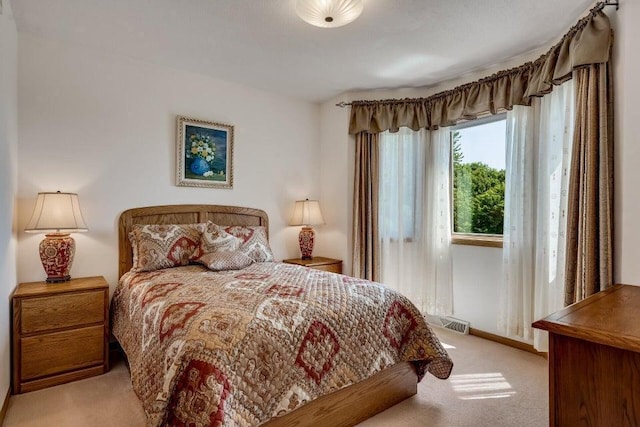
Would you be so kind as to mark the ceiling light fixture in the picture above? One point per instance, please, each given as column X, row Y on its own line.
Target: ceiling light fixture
column 329, row 13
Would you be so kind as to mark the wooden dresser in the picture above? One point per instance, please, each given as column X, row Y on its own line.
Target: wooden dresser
column 594, row 360
column 60, row 332
column 318, row 263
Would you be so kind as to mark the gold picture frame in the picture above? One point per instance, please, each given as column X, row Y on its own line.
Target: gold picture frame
column 204, row 154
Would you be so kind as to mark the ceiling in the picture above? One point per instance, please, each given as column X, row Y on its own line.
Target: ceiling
column 263, row 44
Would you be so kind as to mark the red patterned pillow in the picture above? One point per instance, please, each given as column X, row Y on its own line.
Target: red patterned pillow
column 225, row 260
column 254, row 241
column 164, row 246
column 215, row 239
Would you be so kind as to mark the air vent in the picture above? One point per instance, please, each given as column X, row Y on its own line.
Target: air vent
column 457, row 325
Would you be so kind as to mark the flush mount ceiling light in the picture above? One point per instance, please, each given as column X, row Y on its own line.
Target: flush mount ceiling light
column 329, row 13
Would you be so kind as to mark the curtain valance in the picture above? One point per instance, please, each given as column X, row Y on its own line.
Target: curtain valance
column 588, row 42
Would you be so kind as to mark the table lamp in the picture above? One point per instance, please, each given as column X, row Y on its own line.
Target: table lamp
column 57, row 214
column 306, row 213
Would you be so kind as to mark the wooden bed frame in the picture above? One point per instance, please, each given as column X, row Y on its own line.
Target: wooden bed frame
column 345, row 407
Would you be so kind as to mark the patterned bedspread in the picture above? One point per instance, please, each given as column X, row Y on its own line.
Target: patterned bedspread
column 237, row 348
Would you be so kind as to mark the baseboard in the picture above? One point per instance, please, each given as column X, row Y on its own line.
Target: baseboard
column 506, row 341
column 5, row 406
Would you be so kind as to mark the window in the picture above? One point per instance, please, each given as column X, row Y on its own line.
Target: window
column 478, row 180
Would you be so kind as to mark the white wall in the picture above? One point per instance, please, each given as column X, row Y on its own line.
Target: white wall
column 8, row 180
column 477, row 276
column 336, row 160
column 104, row 126
column 627, row 141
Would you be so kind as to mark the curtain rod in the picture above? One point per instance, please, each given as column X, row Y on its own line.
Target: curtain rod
column 615, row 3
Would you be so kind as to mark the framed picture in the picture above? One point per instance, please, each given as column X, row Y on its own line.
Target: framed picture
column 204, row 154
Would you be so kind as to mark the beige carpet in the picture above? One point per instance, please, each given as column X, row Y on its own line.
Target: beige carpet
column 491, row 385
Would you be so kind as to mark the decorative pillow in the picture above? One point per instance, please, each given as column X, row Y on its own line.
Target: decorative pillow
column 215, row 239
column 164, row 246
column 254, row 241
column 225, row 260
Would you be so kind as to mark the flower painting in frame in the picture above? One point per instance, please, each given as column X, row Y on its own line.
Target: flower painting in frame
column 204, row 156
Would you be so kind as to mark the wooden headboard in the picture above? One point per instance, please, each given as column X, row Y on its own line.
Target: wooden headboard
column 181, row 214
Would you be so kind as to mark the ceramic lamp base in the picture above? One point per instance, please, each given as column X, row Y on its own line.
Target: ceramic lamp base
column 56, row 253
column 306, row 238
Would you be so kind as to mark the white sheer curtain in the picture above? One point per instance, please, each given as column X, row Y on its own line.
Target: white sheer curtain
column 414, row 217
column 539, row 142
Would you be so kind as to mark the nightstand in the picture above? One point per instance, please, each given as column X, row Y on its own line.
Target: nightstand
column 318, row 263
column 60, row 332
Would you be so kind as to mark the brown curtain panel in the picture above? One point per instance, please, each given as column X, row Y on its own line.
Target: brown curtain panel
column 588, row 42
column 589, row 216
column 366, row 241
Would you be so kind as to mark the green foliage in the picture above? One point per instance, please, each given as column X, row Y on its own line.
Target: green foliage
column 478, row 195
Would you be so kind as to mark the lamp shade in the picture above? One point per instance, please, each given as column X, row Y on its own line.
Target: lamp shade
column 56, row 213
column 329, row 13
column 306, row 212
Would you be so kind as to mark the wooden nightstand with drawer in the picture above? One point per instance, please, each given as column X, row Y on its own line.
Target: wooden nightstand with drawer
column 60, row 332
column 318, row 263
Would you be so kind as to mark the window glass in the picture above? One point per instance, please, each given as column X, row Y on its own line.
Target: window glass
column 478, row 153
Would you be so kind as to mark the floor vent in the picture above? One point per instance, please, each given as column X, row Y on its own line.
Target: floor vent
column 451, row 323
column 456, row 325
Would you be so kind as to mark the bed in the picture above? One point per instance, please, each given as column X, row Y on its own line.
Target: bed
column 272, row 344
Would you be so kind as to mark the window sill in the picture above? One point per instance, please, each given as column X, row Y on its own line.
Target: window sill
column 487, row 240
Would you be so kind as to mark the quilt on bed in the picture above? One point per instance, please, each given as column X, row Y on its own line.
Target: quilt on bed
column 237, row 348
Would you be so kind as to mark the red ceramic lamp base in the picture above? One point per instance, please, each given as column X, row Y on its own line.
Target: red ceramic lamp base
column 56, row 253
column 306, row 238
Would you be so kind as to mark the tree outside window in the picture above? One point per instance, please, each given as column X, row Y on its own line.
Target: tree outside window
column 479, row 178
